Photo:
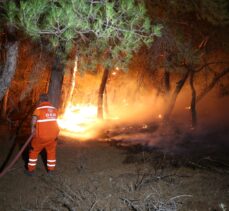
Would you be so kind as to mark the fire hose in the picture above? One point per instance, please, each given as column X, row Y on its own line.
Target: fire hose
column 17, row 156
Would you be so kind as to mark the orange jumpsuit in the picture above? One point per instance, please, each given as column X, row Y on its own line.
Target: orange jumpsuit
column 46, row 132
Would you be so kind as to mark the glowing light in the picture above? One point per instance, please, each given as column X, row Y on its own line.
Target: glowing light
column 188, row 107
column 113, row 73
column 159, row 116
column 117, row 68
column 79, row 120
column 145, row 126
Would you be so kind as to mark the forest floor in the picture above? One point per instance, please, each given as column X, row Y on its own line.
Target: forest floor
column 131, row 167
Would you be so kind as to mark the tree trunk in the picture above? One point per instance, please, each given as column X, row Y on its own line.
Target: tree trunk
column 173, row 98
column 71, row 67
column 140, row 79
column 193, row 100
column 106, row 102
column 101, row 93
column 73, row 78
column 212, row 84
column 48, row 82
column 167, row 82
column 56, row 80
column 4, row 104
column 9, row 68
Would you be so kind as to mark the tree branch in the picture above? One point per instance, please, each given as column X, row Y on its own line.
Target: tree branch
column 210, row 63
column 212, row 84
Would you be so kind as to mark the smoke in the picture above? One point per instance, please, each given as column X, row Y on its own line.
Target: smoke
column 134, row 115
column 141, row 125
column 128, row 101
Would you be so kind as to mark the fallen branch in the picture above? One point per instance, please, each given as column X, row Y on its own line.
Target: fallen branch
column 176, row 197
column 93, row 205
column 129, row 203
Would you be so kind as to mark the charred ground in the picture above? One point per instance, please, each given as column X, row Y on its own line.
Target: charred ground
column 128, row 167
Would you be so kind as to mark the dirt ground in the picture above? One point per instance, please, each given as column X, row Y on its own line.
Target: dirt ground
column 136, row 167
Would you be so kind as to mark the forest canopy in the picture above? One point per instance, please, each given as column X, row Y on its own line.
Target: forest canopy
column 176, row 43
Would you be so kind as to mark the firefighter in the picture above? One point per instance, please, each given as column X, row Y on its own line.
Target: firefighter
column 45, row 128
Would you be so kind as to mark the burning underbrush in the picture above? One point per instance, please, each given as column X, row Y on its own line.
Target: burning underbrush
column 130, row 162
column 133, row 120
column 136, row 124
column 80, row 121
column 175, row 144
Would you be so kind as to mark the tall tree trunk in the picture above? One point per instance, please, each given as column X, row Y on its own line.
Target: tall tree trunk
column 35, row 75
column 56, row 80
column 193, row 100
column 212, row 84
column 4, row 104
column 106, row 102
column 73, row 78
column 167, row 81
column 140, row 80
column 34, row 98
column 101, row 93
column 71, row 67
column 173, row 98
column 48, row 82
column 9, row 68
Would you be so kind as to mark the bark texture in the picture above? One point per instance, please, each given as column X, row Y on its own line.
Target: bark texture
column 56, row 81
column 193, row 100
column 101, row 93
column 167, row 81
column 173, row 98
column 4, row 104
column 9, row 68
column 73, row 78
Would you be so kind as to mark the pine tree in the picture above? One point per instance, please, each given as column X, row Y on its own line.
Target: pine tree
column 118, row 27
column 191, row 30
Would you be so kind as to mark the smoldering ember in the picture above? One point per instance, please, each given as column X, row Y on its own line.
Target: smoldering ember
column 114, row 105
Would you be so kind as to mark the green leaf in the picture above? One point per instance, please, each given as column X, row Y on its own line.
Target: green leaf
column 157, row 30
column 102, row 29
column 11, row 11
column 147, row 25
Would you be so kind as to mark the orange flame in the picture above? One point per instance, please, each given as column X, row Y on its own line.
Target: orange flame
column 79, row 121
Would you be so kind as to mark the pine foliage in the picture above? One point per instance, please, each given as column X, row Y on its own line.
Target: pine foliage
column 118, row 27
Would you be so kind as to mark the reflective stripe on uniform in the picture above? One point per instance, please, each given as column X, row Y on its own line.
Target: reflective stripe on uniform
column 51, row 161
column 32, row 164
column 46, row 107
column 32, row 160
column 46, row 120
column 51, row 165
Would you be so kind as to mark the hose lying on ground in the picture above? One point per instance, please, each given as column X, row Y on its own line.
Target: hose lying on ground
column 17, row 156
